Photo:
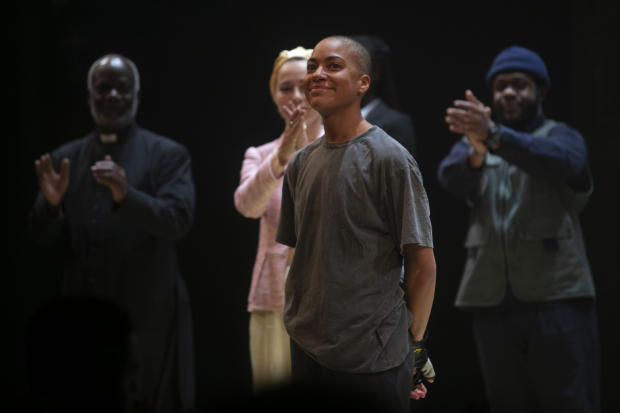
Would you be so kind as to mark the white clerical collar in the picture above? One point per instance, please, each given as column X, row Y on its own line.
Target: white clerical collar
column 369, row 107
column 108, row 138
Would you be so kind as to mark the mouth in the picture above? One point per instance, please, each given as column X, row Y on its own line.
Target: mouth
column 319, row 87
column 511, row 110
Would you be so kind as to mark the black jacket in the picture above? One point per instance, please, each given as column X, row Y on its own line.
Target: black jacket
column 396, row 124
column 127, row 252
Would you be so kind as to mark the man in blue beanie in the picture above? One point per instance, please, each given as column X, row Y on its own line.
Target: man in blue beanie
column 527, row 279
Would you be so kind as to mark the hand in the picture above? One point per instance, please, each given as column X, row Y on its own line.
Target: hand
column 52, row 185
column 472, row 119
column 110, row 174
column 423, row 368
column 294, row 133
column 420, row 390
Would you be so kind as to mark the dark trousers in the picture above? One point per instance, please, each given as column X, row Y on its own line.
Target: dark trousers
column 541, row 357
column 391, row 389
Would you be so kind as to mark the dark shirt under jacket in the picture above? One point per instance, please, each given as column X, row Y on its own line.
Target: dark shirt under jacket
column 396, row 124
column 563, row 155
column 127, row 252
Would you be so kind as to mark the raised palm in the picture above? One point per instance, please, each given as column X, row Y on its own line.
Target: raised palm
column 53, row 185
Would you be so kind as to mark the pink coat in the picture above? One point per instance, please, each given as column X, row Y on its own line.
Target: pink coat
column 258, row 196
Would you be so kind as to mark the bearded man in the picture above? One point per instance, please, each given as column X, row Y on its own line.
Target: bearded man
column 527, row 279
column 121, row 200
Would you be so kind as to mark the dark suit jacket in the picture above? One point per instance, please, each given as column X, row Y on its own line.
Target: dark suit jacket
column 127, row 253
column 396, row 124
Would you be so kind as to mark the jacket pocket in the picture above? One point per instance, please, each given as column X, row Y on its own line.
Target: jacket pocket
column 546, row 228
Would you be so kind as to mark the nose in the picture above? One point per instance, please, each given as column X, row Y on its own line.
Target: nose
column 113, row 94
column 319, row 74
column 298, row 95
column 509, row 93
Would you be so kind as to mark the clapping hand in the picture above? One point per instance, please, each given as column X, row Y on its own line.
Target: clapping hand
column 472, row 119
column 110, row 174
column 52, row 185
column 294, row 136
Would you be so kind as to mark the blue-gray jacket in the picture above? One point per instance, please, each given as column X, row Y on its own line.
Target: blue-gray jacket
column 524, row 228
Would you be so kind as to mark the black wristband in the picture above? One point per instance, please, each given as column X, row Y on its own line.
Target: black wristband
column 420, row 353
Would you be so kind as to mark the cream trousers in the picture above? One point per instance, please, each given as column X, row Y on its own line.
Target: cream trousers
column 270, row 350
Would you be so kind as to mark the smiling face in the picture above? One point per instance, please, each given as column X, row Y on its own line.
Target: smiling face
column 112, row 95
column 333, row 81
column 290, row 87
column 517, row 99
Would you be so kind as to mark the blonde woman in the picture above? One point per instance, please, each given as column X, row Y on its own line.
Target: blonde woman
column 258, row 196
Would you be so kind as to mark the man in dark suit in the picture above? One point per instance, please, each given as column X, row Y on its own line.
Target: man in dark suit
column 379, row 103
column 122, row 199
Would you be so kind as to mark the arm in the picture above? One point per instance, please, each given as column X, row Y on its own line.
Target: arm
column 47, row 230
column 286, row 234
column 260, row 177
column 419, row 286
column 562, row 155
column 456, row 173
column 420, row 273
column 258, row 182
column 169, row 213
column 47, row 222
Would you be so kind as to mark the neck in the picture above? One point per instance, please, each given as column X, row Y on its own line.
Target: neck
column 367, row 98
column 345, row 125
column 314, row 129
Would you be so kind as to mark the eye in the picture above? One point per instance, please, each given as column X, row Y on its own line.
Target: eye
column 334, row 65
column 286, row 89
column 310, row 67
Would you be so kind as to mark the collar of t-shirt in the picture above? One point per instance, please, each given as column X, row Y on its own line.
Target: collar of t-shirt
column 369, row 107
column 358, row 138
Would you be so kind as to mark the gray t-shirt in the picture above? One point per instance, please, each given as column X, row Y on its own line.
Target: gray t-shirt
column 347, row 209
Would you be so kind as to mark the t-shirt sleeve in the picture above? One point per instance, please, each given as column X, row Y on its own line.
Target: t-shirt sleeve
column 286, row 224
column 408, row 209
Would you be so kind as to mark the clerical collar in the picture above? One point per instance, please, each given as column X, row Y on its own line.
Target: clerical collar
column 117, row 137
column 108, row 138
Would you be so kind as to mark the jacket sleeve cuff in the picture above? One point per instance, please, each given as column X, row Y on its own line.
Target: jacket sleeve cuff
column 270, row 168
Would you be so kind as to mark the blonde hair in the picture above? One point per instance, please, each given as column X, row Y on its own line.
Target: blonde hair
column 286, row 55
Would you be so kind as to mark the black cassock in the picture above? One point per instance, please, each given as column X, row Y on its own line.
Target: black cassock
column 127, row 252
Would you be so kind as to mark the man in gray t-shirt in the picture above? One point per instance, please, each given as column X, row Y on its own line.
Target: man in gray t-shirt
column 353, row 204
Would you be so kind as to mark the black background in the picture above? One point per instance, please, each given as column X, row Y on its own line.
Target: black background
column 205, row 68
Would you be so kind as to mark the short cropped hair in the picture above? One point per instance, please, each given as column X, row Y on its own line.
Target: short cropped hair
column 361, row 56
column 136, row 74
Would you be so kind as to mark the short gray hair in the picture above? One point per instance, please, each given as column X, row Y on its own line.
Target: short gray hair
column 136, row 74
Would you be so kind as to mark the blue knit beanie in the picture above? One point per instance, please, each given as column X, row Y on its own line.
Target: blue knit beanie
column 519, row 59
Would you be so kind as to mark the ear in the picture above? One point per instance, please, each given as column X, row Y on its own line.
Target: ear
column 363, row 84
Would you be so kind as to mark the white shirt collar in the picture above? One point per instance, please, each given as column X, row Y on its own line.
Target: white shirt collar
column 369, row 107
column 108, row 138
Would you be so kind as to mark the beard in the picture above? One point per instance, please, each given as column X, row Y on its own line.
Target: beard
column 114, row 124
column 529, row 112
